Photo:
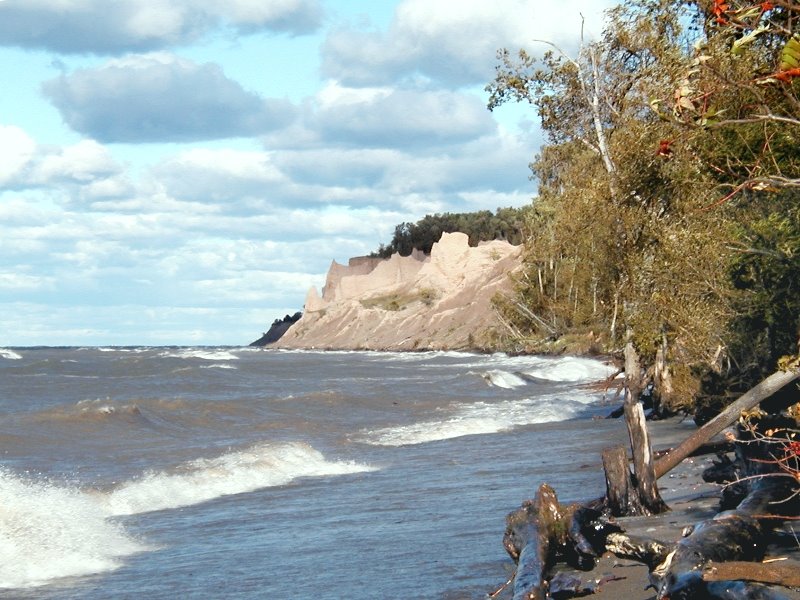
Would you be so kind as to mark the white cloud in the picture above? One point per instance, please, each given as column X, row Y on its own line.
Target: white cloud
column 83, row 162
column 453, row 41
column 104, row 27
column 161, row 98
column 16, row 150
column 400, row 118
column 224, row 175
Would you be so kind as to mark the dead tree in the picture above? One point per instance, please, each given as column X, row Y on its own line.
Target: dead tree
column 632, row 493
column 726, row 418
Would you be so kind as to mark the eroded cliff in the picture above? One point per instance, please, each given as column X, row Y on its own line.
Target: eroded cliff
column 436, row 302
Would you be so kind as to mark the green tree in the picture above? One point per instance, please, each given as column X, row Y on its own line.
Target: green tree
column 662, row 146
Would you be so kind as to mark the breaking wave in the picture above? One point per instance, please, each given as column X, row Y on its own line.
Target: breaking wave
column 479, row 419
column 50, row 531
column 9, row 354
column 237, row 472
column 504, row 379
column 204, row 354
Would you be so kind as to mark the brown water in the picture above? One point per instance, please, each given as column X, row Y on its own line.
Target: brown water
column 244, row 473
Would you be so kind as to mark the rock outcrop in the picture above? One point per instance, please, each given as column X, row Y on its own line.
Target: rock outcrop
column 277, row 329
column 437, row 302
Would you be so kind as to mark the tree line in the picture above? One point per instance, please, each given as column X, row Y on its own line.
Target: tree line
column 668, row 208
column 505, row 224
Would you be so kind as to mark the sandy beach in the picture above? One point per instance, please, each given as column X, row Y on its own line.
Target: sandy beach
column 691, row 500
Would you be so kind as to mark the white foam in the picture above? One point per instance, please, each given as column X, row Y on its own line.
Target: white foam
column 571, row 369
column 48, row 532
column 219, row 366
column 201, row 480
column 201, row 353
column 504, row 379
column 9, row 354
column 479, row 418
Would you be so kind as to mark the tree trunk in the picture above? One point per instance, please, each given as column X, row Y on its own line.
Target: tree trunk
column 530, row 540
column 621, row 497
column 785, row 573
column 662, row 377
column 643, row 465
column 726, row 418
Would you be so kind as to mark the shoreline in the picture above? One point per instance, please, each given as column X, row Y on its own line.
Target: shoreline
column 690, row 500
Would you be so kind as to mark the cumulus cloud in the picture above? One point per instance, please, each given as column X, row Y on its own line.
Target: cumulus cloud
column 16, row 150
column 400, row 118
column 452, row 42
column 102, row 27
column 161, row 98
column 225, row 175
column 85, row 166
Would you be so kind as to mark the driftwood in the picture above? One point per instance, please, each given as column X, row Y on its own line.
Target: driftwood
column 648, row 499
column 542, row 531
column 726, row 418
column 634, row 493
column 786, row 573
column 741, row 534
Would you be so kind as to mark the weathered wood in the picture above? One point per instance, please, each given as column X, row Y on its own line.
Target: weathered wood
column 785, row 573
column 644, row 550
column 643, row 464
column 712, row 447
column 542, row 532
column 728, row 536
column 620, row 498
column 726, row 418
column 531, row 540
column 740, row 534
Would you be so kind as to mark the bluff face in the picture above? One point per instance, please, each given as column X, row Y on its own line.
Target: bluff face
column 417, row 302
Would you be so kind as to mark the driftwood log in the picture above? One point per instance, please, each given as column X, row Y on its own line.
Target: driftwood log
column 770, row 386
column 542, row 531
column 692, row 570
column 786, row 573
column 646, row 498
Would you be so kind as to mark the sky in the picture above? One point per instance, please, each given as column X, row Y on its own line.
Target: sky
column 181, row 172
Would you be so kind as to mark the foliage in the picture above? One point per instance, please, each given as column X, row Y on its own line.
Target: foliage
column 667, row 212
column 505, row 223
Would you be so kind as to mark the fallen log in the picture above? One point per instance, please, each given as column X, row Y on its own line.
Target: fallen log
column 728, row 536
column 726, row 418
column 542, row 531
column 741, row 534
column 785, row 573
column 530, row 539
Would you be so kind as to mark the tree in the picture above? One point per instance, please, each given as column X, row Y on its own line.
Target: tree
column 646, row 193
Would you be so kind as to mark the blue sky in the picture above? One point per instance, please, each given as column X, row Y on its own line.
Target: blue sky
column 182, row 171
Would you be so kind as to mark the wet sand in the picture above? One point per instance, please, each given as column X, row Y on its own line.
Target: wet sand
column 691, row 500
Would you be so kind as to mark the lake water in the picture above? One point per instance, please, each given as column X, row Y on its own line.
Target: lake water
column 252, row 473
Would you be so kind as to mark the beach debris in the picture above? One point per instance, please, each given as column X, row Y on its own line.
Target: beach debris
column 785, row 573
column 769, row 467
column 542, row 532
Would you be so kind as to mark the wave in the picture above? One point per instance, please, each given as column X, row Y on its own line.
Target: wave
column 571, row 369
column 9, row 354
column 261, row 466
column 503, row 379
column 48, row 532
column 204, row 354
column 219, row 366
column 479, row 419
column 98, row 410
